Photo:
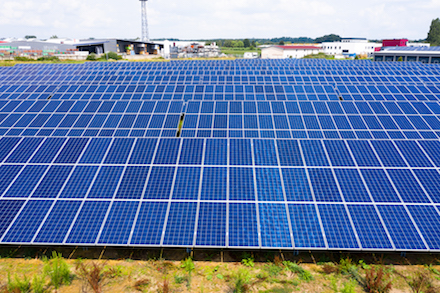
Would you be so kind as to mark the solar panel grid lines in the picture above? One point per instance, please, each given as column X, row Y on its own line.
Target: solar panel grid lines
column 391, row 117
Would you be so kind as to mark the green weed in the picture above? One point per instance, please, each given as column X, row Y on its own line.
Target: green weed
column 57, row 270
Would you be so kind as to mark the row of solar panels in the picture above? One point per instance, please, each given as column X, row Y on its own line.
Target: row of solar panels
column 221, row 107
column 219, row 89
column 265, row 225
column 201, row 71
column 233, row 152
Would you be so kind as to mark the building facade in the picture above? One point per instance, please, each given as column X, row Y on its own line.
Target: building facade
column 350, row 47
column 411, row 54
column 291, row 51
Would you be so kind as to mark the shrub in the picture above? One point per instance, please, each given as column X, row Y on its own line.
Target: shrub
column 241, row 281
column 58, row 270
column 49, row 58
column 179, row 279
column 248, row 261
column 38, row 283
column 18, row 285
column 188, row 266
column 349, row 287
column 112, row 55
column 93, row 275
column 273, row 270
column 92, row 57
column 19, row 58
column 376, row 280
column 329, row 268
column 303, row 274
column 420, row 281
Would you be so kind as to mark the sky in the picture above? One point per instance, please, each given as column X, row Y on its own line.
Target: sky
column 204, row 19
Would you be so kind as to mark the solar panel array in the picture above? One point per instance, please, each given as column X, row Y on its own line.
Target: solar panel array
column 299, row 154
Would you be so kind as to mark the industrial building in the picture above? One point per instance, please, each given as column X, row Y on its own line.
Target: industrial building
column 350, row 47
column 291, row 51
column 412, row 54
column 130, row 47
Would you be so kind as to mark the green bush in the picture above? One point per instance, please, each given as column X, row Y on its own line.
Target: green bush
column 19, row 58
column 18, row 285
column 111, row 55
column 188, row 266
column 38, row 284
column 303, row 274
column 58, row 270
column 241, row 281
column 92, row 57
column 49, row 58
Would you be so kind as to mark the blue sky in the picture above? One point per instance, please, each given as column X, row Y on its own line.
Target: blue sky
column 197, row 19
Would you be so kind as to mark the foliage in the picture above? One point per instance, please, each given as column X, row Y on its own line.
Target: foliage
column 349, row 287
column 111, row 55
column 376, row 280
column 238, row 44
column 228, row 43
column 18, row 285
column 434, row 33
column 329, row 268
column 328, row 38
column 58, row 270
column 179, row 279
column 20, row 58
column 38, row 284
column 92, row 57
column 273, row 270
column 241, row 281
column 248, row 261
column 93, row 275
column 54, row 37
column 188, row 266
column 319, row 56
column 347, row 267
column 246, row 43
column 281, row 43
column 420, row 282
column 302, row 273
column 29, row 37
column 48, row 58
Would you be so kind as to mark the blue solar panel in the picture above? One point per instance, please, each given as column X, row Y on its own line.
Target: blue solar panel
column 58, row 222
column 372, row 234
column 120, row 218
column 243, row 229
column 337, row 227
column 180, row 224
column 269, row 155
column 28, row 221
column 403, row 232
column 88, row 222
column 211, row 228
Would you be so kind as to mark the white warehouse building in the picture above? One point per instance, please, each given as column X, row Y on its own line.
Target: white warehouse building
column 350, row 47
column 292, row 51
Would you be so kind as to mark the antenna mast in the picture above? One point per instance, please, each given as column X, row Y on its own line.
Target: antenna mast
column 145, row 37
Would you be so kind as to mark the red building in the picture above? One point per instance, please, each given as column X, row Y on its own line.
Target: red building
column 395, row 43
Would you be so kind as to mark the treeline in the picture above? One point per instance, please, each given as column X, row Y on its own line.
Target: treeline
column 253, row 42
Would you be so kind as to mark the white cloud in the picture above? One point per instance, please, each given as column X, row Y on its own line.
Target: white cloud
column 218, row 19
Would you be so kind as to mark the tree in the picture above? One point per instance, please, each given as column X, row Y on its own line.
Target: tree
column 30, row 37
column 54, row 37
column 238, row 44
column 434, row 33
column 281, row 43
column 246, row 43
column 228, row 43
column 328, row 38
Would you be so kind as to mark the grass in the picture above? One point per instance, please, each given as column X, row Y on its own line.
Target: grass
column 238, row 51
column 269, row 274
